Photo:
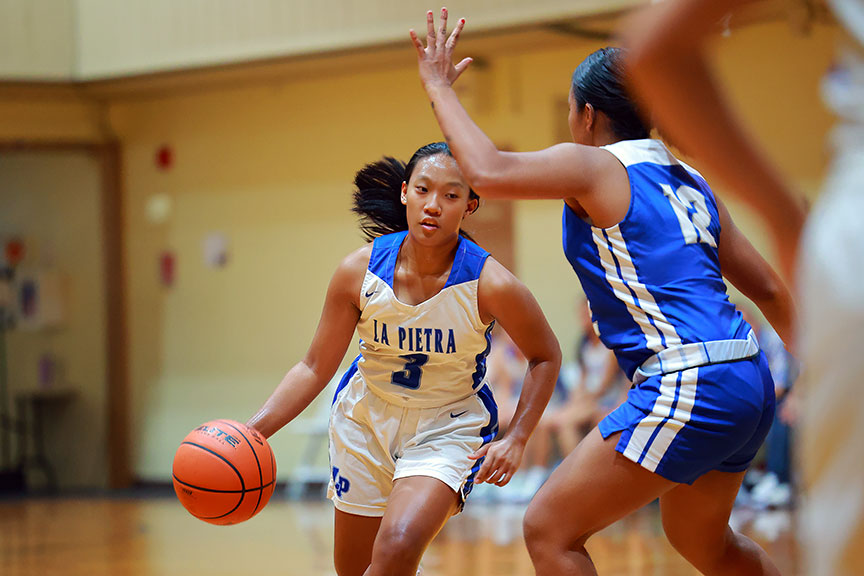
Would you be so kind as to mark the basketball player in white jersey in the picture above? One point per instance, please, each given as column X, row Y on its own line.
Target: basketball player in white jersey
column 651, row 246
column 413, row 419
column 672, row 77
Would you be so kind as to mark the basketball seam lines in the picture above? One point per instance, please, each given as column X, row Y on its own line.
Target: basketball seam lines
column 240, row 476
column 202, row 489
column 257, row 462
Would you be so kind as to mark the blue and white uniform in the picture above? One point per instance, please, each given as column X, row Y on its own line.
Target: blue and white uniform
column 703, row 398
column 415, row 402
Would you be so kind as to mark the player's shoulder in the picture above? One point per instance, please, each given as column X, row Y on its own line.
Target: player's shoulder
column 499, row 291
column 354, row 265
column 496, row 277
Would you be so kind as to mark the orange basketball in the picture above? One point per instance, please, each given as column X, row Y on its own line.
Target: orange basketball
column 224, row 472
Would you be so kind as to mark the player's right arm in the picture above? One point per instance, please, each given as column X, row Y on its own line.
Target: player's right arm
column 503, row 298
column 586, row 175
column 335, row 329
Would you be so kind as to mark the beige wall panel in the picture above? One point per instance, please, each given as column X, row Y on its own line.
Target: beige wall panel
column 37, row 39
column 773, row 75
column 134, row 37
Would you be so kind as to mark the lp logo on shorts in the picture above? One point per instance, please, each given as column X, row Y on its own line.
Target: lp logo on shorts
column 340, row 483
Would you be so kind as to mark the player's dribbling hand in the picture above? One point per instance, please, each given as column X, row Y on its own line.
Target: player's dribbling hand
column 503, row 458
column 436, row 59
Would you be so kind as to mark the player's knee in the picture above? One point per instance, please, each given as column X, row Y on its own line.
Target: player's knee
column 543, row 534
column 397, row 546
column 534, row 525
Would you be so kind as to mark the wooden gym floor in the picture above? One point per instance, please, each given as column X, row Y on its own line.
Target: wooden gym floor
column 151, row 535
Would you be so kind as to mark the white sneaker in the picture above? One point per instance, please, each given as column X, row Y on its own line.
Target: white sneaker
column 485, row 493
column 523, row 486
column 512, row 492
column 534, row 479
column 770, row 492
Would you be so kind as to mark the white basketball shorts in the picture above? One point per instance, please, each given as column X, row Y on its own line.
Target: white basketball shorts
column 373, row 443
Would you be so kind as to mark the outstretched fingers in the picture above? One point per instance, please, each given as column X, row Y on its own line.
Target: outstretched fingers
column 430, row 29
column 461, row 67
column 454, row 36
column 435, row 58
column 418, row 45
column 441, row 38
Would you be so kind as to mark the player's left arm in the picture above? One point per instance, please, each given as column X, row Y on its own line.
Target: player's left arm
column 748, row 271
column 504, row 298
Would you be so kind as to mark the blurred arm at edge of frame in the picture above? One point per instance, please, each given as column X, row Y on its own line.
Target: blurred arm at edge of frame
column 673, row 83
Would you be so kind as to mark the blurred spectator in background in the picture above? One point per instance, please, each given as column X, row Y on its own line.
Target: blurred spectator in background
column 770, row 486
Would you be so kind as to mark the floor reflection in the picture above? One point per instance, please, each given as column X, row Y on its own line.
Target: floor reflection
column 154, row 536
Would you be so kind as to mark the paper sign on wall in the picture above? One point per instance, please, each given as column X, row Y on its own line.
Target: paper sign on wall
column 216, row 250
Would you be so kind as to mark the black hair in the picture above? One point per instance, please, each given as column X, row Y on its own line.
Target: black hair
column 378, row 192
column 600, row 81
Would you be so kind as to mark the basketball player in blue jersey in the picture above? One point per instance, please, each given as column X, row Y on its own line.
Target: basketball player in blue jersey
column 412, row 419
column 651, row 245
column 829, row 248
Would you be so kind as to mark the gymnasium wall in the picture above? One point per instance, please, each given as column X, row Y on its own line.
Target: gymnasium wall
column 87, row 40
column 268, row 164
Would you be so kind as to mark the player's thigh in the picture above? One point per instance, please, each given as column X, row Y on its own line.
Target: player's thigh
column 696, row 517
column 591, row 489
column 417, row 509
column 354, row 539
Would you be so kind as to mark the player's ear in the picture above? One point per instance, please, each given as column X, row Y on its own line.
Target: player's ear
column 404, row 196
column 473, row 204
column 590, row 116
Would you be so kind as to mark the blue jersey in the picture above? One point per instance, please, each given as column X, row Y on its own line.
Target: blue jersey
column 653, row 280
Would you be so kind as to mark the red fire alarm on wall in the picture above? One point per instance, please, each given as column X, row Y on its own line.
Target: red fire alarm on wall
column 167, row 268
column 14, row 252
column 164, row 157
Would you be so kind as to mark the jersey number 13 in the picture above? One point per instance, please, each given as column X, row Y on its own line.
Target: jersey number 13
column 692, row 212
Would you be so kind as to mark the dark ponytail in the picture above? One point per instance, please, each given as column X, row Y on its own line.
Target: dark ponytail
column 377, row 198
column 378, row 192
column 599, row 80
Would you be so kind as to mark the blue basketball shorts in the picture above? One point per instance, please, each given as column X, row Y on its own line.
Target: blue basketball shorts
column 683, row 424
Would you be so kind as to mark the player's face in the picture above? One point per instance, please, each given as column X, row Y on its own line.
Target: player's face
column 436, row 199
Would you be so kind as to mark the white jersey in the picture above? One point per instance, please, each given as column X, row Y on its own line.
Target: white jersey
column 843, row 86
column 832, row 321
column 431, row 354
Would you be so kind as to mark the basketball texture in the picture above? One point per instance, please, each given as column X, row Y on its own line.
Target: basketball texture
column 224, row 472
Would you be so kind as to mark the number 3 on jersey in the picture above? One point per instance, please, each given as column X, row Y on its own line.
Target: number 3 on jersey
column 692, row 212
column 410, row 376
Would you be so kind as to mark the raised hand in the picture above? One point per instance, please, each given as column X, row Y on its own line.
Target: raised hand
column 435, row 61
